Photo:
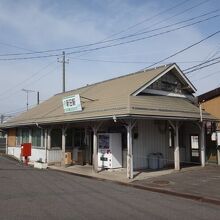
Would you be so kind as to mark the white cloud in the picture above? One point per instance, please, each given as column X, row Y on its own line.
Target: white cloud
column 42, row 24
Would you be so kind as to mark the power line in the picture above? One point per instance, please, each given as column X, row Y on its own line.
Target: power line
column 37, row 80
column 202, row 67
column 166, row 26
column 186, row 48
column 206, row 76
column 125, row 61
column 100, row 42
column 130, row 27
column 154, row 24
column 112, row 45
column 198, row 65
column 17, row 47
column 29, row 77
column 148, row 19
column 175, row 15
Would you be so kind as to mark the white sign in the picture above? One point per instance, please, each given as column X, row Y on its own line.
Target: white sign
column 72, row 103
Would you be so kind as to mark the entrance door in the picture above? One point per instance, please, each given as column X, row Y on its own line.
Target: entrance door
column 194, row 146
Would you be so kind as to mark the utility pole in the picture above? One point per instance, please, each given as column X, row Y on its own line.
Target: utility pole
column 64, row 61
column 2, row 118
column 38, row 97
column 27, row 92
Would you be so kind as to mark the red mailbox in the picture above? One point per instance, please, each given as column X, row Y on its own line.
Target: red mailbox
column 26, row 149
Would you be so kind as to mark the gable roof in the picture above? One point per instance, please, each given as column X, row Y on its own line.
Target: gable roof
column 179, row 73
column 108, row 98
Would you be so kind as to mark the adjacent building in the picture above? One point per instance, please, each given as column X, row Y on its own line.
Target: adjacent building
column 146, row 119
column 210, row 102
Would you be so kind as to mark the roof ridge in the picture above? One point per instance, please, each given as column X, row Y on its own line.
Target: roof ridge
column 122, row 76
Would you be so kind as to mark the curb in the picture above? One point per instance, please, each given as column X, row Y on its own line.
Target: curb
column 147, row 188
column 178, row 194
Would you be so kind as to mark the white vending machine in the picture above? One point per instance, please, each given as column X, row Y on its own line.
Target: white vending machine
column 109, row 150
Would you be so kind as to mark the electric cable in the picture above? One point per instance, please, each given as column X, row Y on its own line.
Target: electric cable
column 92, row 44
column 111, row 45
column 183, row 50
column 29, row 77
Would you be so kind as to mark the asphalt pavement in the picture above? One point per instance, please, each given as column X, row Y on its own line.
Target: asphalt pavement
column 199, row 181
column 28, row 193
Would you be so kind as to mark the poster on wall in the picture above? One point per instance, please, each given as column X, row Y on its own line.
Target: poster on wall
column 195, row 141
column 103, row 141
column 72, row 104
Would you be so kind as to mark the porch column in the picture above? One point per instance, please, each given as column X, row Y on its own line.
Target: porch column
column 63, row 145
column 130, row 170
column 218, row 155
column 95, row 128
column 6, row 142
column 202, row 144
column 42, row 137
column 176, row 148
column 129, row 153
column 45, row 143
column 218, row 146
column 95, row 150
column 30, row 136
column 48, row 138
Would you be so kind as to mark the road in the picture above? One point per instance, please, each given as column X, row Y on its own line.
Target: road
column 27, row 193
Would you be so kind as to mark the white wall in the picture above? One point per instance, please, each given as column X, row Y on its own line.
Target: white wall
column 152, row 138
column 14, row 151
column 53, row 155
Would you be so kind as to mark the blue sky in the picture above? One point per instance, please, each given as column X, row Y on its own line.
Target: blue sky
column 36, row 25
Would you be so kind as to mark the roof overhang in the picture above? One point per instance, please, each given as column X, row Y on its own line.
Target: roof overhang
column 107, row 117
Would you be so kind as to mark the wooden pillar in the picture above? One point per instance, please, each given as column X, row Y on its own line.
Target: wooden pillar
column 63, row 145
column 129, row 152
column 6, row 142
column 218, row 155
column 95, row 150
column 30, row 136
column 95, row 128
column 130, row 169
column 176, row 148
column 42, row 137
column 202, row 145
column 45, row 143
column 49, row 138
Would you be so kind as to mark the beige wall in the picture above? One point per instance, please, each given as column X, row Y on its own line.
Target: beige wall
column 213, row 107
column 12, row 137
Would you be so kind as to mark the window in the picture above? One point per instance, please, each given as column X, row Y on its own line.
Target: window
column 25, row 135
column 56, row 138
column 36, row 137
column 79, row 137
column 194, row 141
column 69, row 137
